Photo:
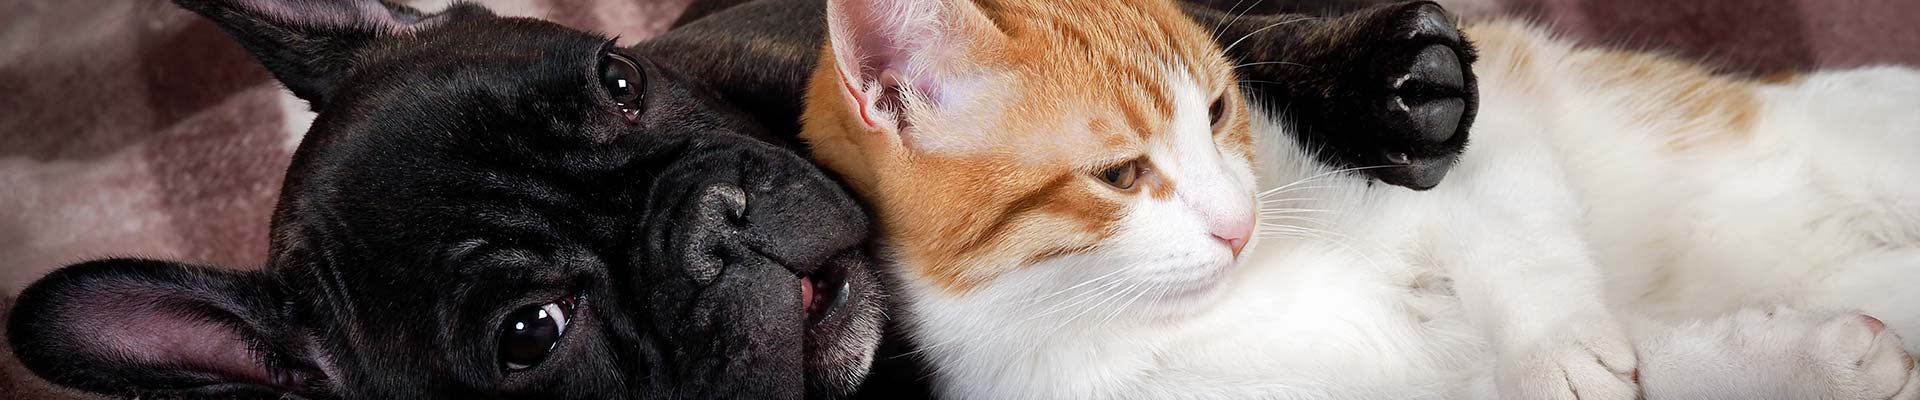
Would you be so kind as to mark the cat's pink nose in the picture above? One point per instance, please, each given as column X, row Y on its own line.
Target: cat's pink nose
column 1234, row 234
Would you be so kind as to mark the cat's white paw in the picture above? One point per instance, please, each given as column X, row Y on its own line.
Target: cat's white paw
column 1781, row 354
column 1588, row 361
column 1863, row 359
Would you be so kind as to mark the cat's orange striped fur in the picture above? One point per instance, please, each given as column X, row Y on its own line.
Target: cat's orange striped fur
column 994, row 170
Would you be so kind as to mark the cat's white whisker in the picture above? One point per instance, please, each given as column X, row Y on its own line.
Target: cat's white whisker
column 1104, row 292
column 1236, row 42
column 1292, row 210
column 1321, row 175
column 1106, row 296
column 1220, row 28
column 1109, row 298
column 1338, row 239
column 1254, row 64
column 1121, row 309
column 1089, row 281
column 1083, row 297
column 1265, row 219
column 1236, row 18
column 1272, row 193
column 1279, row 208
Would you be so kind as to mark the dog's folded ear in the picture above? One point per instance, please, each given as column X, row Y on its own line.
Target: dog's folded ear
column 133, row 327
column 309, row 45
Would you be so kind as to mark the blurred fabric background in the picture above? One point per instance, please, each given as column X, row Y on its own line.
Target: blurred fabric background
column 132, row 128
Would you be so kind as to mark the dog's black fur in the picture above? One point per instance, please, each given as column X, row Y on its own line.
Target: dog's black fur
column 465, row 168
column 1388, row 89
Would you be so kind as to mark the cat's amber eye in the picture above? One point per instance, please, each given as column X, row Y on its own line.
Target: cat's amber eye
column 1217, row 110
column 1122, row 176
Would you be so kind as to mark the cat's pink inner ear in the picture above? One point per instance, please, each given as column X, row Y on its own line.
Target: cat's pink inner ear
column 891, row 52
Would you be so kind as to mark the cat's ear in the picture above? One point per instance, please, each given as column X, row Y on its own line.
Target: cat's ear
column 309, row 45
column 898, row 58
column 128, row 326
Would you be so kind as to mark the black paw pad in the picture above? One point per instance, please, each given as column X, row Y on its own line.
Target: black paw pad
column 1387, row 90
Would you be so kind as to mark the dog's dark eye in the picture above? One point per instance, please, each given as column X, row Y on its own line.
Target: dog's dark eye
column 529, row 334
column 1121, row 176
column 624, row 83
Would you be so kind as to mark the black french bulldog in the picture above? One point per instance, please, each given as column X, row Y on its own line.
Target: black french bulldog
column 1385, row 87
column 488, row 207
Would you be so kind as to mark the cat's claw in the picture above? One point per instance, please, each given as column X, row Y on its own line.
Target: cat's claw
column 1782, row 354
column 1594, row 361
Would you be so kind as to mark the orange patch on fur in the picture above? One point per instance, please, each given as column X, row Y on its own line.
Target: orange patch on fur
column 1781, row 77
column 1074, row 84
column 1696, row 106
column 1704, row 108
column 1506, row 48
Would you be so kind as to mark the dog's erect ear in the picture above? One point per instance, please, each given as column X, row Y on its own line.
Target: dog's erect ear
column 130, row 327
column 308, row 44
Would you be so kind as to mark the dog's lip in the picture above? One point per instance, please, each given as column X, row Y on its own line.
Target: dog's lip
column 824, row 288
column 823, row 291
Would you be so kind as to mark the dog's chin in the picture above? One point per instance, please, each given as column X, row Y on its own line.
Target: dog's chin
column 843, row 303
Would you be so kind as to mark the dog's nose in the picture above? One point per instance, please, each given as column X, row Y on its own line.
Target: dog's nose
column 731, row 204
column 723, row 202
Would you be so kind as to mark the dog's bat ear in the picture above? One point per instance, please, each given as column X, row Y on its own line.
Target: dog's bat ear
column 132, row 327
column 309, row 45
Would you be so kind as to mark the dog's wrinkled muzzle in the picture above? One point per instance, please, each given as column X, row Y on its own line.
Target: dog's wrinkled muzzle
column 743, row 242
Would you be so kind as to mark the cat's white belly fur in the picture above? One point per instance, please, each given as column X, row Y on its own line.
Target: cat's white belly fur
column 1820, row 195
column 1817, row 206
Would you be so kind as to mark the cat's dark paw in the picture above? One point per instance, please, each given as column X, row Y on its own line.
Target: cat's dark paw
column 1389, row 89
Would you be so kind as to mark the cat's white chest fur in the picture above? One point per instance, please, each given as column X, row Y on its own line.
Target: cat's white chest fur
column 1347, row 309
column 1570, row 206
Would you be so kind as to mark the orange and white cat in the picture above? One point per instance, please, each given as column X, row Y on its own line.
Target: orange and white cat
column 1071, row 193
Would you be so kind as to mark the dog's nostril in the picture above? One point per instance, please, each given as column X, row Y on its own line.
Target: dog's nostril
column 726, row 200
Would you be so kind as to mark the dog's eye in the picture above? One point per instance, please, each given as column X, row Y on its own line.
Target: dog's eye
column 1121, row 176
column 624, row 83
column 529, row 334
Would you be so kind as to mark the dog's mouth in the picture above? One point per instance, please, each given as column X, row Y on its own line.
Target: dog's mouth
column 824, row 291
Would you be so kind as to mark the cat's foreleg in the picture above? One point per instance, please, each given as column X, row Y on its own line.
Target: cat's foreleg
column 1510, row 242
